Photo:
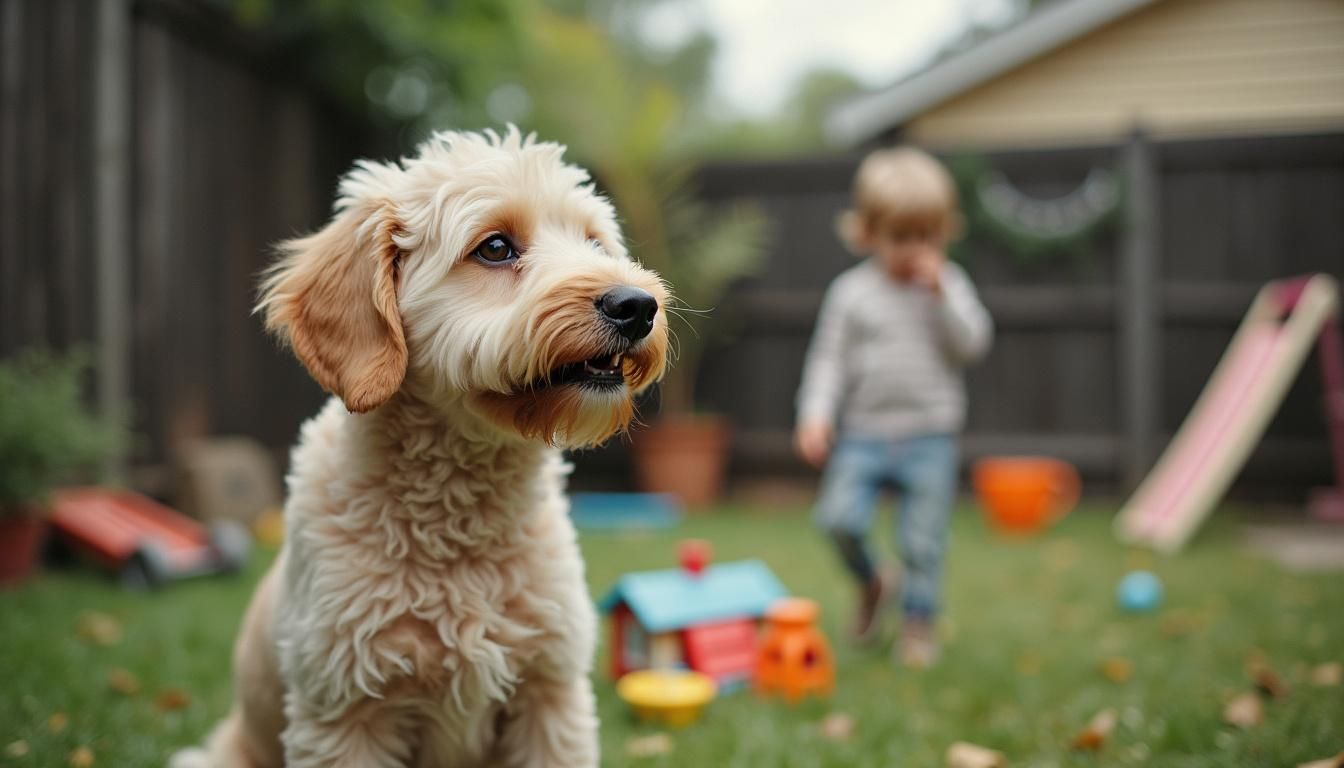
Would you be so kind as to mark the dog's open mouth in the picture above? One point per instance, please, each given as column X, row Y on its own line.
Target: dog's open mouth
column 604, row 372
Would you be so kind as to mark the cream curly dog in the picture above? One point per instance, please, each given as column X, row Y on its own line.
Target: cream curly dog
column 472, row 309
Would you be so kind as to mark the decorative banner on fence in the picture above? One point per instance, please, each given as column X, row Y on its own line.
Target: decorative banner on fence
column 1029, row 227
column 1058, row 218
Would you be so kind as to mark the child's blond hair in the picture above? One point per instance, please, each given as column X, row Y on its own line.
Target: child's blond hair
column 900, row 187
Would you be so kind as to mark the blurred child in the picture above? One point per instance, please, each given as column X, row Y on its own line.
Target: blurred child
column 882, row 399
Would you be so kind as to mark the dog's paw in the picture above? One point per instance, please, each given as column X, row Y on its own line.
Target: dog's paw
column 192, row 757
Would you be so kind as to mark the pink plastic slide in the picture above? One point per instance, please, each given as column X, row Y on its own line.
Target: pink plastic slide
column 1231, row 413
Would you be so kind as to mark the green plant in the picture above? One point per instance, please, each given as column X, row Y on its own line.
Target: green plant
column 706, row 253
column 47, row 434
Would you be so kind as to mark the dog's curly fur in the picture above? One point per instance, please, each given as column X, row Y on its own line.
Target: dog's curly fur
column 429, row 607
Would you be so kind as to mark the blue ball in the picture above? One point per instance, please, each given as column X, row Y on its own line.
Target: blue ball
column 1139, row 592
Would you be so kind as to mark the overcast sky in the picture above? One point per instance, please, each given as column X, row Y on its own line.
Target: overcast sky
column 766, row 45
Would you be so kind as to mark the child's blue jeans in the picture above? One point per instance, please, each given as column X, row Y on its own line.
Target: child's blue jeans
column 923, row 473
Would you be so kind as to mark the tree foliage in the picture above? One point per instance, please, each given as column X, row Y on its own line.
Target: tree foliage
column 575, row 72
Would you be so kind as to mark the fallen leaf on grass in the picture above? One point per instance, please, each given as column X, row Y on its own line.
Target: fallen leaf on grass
column 1179, row 623
column 1268, row 683
column 1327, row 675
column 966, row 755
column 1326, row 762
column 17, row 748
column 98, row 628
column 81, row 757
column 57, row 722
column 1117, row 669
column 122, row 681
column 648, row 746
column 1093, row 737
column 837, row 726
column 1244, row 711
column 171, row 700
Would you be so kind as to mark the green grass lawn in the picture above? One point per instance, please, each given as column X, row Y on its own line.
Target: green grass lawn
column 1029, row 623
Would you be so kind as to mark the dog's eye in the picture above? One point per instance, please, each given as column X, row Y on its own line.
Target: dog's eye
column 496, row 249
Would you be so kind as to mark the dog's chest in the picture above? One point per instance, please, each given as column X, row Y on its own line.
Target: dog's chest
column 468, row 631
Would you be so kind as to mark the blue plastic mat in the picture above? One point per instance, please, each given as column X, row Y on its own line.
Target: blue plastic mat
column 624, row 511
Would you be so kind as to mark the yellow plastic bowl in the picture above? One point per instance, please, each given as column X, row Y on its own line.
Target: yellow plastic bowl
column 672, row 697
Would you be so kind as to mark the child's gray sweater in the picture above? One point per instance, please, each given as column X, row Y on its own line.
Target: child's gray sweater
column 886, row 357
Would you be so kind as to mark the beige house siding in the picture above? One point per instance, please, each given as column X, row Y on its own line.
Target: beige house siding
column 1181, row 67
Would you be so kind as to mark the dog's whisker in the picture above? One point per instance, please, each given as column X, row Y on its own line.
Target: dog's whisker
column 689, row 310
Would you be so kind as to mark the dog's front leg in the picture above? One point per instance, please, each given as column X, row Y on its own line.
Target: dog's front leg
column 368, row 733
column 551, row 723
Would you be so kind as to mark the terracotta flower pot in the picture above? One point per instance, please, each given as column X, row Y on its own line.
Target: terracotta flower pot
column 21, row 538
column 683, row 456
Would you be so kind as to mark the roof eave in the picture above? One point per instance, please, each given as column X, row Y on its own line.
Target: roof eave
column 1043, row 31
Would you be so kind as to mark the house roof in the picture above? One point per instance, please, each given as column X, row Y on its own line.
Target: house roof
column 672, row 599
column 1042, row 31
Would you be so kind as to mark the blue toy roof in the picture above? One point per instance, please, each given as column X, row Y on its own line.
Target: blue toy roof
column 667, row 600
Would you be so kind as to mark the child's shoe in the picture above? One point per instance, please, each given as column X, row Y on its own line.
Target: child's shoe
column 873, row 597
column 917, row 647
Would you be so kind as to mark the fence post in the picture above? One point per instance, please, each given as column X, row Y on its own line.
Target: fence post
column 112, row 212
column 1138, row 311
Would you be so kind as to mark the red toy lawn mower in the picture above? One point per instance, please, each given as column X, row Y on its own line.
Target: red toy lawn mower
column 143, row 542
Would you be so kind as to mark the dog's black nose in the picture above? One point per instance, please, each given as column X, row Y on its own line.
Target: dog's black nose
column 630, row 311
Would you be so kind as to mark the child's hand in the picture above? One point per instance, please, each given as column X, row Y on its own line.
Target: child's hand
column 926, row 270
column 812, row 440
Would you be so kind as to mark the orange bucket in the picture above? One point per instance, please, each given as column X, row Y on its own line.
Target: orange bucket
column 1024, row 494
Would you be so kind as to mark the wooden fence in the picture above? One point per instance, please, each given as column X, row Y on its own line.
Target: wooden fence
column 1098, row 357
column 149, row 155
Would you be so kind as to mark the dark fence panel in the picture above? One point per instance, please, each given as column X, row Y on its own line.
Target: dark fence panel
column 230, row 152
column 1230, row 215
column 45, row 174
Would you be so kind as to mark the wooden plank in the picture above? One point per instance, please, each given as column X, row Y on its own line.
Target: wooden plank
column 34, row 225
column 1245, row 153
column 1136, row 313
column 237, row 382
column 1217, row 304
column 13, row 195
column 112, row 212
column 781, row 176
column 1196, row 238
column 68, row 239
column 195, row 255
column 1083, row 381
column 1313, row 242
column 157, row 130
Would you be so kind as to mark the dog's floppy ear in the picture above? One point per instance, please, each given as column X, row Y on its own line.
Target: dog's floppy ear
column 333, row 297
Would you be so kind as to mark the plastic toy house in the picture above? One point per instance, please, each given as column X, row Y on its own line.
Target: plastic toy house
column 703, row 618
